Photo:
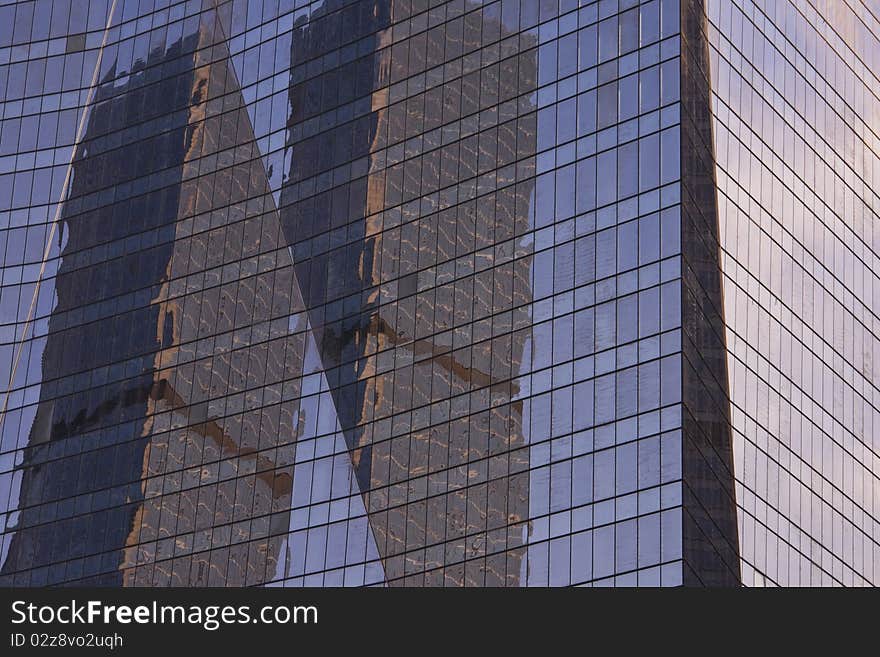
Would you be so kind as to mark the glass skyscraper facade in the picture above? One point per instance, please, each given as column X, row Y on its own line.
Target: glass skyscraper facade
column 796, row 123
column 439, row 293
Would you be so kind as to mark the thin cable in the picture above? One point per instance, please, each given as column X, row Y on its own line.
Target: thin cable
column 61, row 198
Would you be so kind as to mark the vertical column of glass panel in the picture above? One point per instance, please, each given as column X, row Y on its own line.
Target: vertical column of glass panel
column 710, row 545
column 604, row 374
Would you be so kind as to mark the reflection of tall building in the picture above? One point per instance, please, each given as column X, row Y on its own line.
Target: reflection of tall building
column 80, row 482
column 156, row 456
column 463, row 294
column 416, row 286
column 212, row 475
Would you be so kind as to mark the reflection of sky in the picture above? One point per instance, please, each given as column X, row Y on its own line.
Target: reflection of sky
column 329, row 528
